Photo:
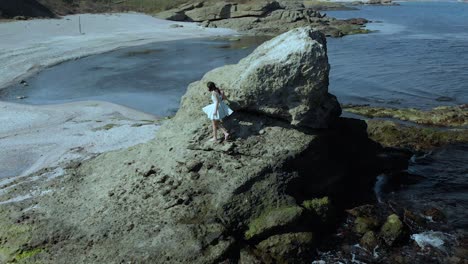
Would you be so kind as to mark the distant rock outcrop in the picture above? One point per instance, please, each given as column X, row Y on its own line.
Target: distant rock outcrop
column 22, row 9
column 262, row 17
column 258, row 198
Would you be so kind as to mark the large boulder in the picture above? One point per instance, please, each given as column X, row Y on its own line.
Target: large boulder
column 290, row 76
column 182, row 199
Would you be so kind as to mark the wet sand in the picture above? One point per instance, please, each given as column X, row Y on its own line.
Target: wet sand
column 37, row 137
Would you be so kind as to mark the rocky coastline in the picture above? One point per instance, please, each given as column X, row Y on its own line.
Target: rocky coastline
column 265, row 17
column 414, row 129
column 269, row 195
column 295, row 182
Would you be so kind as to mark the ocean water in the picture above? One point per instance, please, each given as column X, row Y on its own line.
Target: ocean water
column 418, row 56
column 150, row 78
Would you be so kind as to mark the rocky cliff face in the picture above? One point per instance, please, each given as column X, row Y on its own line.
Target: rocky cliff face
column 267, row 196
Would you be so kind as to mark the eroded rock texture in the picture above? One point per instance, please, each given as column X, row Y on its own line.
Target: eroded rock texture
column 180, row 199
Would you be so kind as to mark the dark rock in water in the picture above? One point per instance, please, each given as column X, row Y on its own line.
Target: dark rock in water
column 444, row 99
column 380, row 2
column 435, row 214
column 415, row 222
column 22, row 9
column 363, row 210
column 357, row 21
column 187, row 200
column 393, row 230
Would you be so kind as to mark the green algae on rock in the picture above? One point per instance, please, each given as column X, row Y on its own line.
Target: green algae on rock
column 369, row 240
column 449, row 116
column 393, row 230
column 392, row 134
column 364, row 224
column 13, row 237
column 287, row 248
column 320, row 207
column 27, row 254
column 273, row 219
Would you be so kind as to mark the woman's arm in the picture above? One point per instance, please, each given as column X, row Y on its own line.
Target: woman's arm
column 223, row 95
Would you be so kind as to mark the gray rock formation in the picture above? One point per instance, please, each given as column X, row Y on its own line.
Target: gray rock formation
column 262, row 17
column 286, row 77
column 181, row 199
column 380, row 2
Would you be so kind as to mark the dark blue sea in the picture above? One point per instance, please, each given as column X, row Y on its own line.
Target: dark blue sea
column 418, row 56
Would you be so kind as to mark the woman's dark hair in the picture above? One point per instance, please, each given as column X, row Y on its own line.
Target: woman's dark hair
column 212, row 87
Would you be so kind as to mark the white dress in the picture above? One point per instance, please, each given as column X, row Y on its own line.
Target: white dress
column 223, row 109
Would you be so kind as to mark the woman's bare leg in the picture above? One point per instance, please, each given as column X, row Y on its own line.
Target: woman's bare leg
column 224, row 130
column 215, row 130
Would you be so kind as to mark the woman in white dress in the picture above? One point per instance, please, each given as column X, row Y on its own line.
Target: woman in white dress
column 217, row 110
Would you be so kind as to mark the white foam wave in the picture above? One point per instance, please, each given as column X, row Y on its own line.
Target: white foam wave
column 380, row 182
column 434, row 239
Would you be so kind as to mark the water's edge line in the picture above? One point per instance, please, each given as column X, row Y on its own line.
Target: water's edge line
column 40, row 68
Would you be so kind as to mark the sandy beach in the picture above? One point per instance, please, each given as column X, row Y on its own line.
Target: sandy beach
column 37, row 137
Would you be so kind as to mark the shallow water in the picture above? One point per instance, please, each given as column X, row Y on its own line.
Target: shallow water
column 150, row 78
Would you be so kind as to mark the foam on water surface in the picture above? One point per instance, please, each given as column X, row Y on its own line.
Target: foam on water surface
column 434, row 239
